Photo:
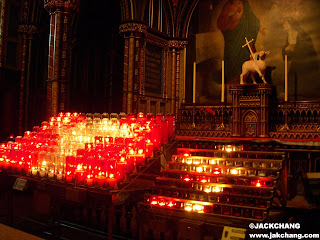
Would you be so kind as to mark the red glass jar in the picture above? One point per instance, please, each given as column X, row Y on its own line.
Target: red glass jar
column 226, row 210
column 247, row 213
column 236, row 212
column 217, row 209
column 258, row 214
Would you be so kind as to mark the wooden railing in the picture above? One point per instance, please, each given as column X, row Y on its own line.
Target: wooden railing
column 295, row 120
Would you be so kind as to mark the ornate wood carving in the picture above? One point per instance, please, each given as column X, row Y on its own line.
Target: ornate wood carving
column 27, row 29
column 65, row 5
column 179, row 44
column 303, row 117
column 132, row 27
column 134, row 64
column 59, row 61
column 175, row 46
column 254, row 98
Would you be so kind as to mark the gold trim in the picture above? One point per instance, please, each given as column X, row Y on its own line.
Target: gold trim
column 132, row 27
column 180, row 44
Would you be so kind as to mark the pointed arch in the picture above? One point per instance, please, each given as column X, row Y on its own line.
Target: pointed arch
column 163, row 13
column 185, row 18
column 126, row 10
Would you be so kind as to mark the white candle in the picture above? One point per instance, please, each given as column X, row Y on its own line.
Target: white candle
column 194, row 82
column 222, row 82
column 34, row 172
column 42, row 173
column 286, row 78
column 59, row 176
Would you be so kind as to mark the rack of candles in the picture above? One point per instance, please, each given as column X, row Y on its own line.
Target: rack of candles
column 224, row 181
column 92, row 149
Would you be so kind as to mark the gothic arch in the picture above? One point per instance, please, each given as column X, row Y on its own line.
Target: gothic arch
column 250, row 114
column 126, row 10
column 250, row 124
column 185, row 18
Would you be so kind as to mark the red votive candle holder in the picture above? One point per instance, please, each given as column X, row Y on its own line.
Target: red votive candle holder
column 112, row 182
column 171, row 122
column 247, row 213
column 100, row 181
column 258, row 214
column 164, row 131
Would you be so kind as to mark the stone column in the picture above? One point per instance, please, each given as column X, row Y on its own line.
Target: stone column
column 236, row 92
column 175, row 46
column 28, row 31
column 59, row 50
column 134, row 34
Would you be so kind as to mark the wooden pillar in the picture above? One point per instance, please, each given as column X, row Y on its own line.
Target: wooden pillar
column 22, row 84
column 236, row 91
column 58, row 59
column 125, row 75
column 166, row 76
column 176, row 47
column 173, row 81
column 133, row 67
column 141, row 75
column 65, row 67
column 265, row 91
column 177, row 81
column 130, row 74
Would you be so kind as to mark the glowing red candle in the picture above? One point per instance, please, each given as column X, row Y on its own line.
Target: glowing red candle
column 119, row 140
column 131, row 162
column 100, row 180
column 98, row 140
column 154, row 201
column 80, row 173
column 141, row 119
column 70, row 167
column 156, row 136
column 171, row 123
column 258, row 214
column 258, row 184
column 111, row 181
column 164, row 131
column 149, row 148
column 89, row 180
column 122, row 169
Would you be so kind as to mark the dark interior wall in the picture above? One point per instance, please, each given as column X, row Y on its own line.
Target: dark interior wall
column 10, row 72
column 34, row 94
column 191, row 54
column 96, row 64
column 97, row 58
column 9, row 101
column 38, row 73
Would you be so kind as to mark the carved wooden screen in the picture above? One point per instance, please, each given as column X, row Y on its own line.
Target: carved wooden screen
column 153, row 70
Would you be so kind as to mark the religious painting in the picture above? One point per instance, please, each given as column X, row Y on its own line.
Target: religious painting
column 283, row 27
